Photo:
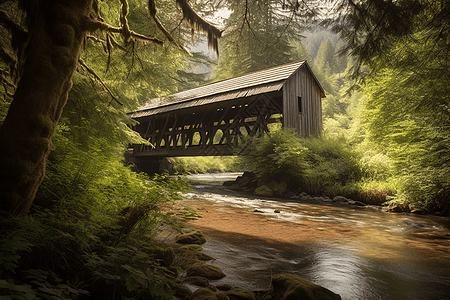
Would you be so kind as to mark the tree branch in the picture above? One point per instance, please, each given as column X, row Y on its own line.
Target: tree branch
column 197, row 23
column 152, row 12
column 93, row 25
column 92, row 72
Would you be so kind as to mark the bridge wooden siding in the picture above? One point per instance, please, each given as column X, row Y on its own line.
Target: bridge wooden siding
column 216, row 119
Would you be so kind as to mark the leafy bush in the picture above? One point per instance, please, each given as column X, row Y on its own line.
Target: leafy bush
column 332, row 163
column 275, row 154
column 318, row 165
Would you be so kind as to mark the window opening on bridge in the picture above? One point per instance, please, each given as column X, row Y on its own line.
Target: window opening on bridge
column 300, row 107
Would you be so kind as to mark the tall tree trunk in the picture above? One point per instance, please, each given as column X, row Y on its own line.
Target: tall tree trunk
column 56, row 35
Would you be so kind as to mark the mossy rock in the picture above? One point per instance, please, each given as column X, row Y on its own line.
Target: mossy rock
column 282, row 187
column 165, row 254
column 182, row 292
column 192, row 237
column 263, row 190
column 193, row 247
column 204, row 270
column 207, row 294
column 197, row 281
column 185, row 258
column 291, row 287
column 241, row 294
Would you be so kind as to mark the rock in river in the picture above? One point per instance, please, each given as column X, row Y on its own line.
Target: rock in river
column 193, row 237
column 204, row 270
column 289, row 286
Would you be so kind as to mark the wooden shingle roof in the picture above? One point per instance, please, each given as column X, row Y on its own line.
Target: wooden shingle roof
column 268, row 80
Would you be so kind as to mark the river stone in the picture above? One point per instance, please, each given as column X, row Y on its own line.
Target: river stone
column 193, row 247
column 282, row 187
column 419, row 211
column 193, row 237
column 166, row 255
column 204, row 270
column 399, row 207
column 207, row 294
column 182, row 292
column 224, row 287
column 263, row 191
column 277, row 187
column 359, row 203
column 197, row 280
column 340, row 199
column 241, row 294
column 291, row 287
column 203, row 256
column 306, row 198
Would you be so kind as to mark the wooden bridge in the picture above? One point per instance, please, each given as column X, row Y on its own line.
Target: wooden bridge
column 217, row 118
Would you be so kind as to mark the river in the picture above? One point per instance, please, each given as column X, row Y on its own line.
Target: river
column 358, row 253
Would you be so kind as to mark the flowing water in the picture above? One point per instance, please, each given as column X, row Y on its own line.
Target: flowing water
column 359, row 253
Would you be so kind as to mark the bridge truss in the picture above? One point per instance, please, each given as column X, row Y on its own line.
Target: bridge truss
column 221, row 128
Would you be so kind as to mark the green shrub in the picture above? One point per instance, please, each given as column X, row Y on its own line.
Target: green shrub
column 316, row 164
column 275, row 154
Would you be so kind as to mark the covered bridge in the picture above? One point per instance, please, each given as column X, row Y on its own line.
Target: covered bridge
column 215, row 118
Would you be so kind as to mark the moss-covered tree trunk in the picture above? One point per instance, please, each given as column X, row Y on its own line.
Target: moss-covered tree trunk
column 56, row 35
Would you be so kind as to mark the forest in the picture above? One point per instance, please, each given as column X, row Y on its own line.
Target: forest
column 77, row 219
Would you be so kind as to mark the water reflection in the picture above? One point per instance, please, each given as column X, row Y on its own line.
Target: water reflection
column 338, row 268
column 357, row 253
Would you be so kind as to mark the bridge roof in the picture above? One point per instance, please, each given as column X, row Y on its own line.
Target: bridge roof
column 268, row 80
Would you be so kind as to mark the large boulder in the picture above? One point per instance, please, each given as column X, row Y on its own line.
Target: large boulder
column 246, row 180
column 264, row 191
column 291, row 287
column 204, row 270
column 192, row 237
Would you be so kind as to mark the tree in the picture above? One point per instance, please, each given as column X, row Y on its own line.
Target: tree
column 300, row 52
column 402, row 50
column 46, row 39
column 325, row 61
column 258, row 35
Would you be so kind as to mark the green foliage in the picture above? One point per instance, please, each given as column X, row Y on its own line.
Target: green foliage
column 92, row 213
column 277, row 153
column 129, row 270
column 206, row 164
column 258, row 37
column 412, row 126
column 317, row 165
column 95, row 237
column 325, row 61
column 331, row 162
